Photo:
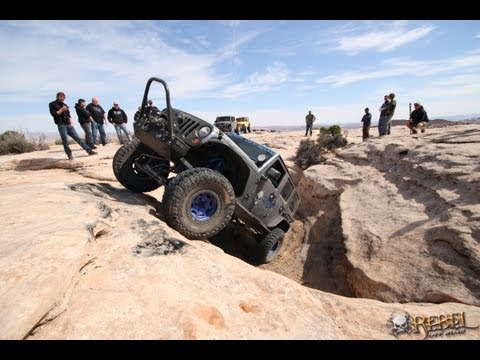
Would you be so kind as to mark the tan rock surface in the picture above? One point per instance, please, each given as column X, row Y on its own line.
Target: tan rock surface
column 408, row 211
column 84, row 258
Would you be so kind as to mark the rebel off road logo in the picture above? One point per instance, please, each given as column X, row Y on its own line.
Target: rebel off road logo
column 431, row 326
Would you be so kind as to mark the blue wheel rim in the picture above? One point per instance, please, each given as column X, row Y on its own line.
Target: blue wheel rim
column 204, row 206
column 273, row 250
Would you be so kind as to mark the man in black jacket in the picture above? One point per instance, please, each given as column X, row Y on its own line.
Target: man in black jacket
column 61, row 117
column 85, row 120
column 98, row 115
column 366, row 119
column 418, row 118
column 119, row 119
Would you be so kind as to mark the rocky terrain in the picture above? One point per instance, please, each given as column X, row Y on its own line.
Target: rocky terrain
column 387, row 226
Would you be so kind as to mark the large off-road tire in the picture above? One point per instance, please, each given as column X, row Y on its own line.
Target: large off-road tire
column 199, row 203
column 270, row 245
column 124, row 167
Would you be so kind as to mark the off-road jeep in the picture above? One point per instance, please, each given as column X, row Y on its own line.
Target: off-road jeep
column 226, row 123
column 243, row 124
column 220, row 176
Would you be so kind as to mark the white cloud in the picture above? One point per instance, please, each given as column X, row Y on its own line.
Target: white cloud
column 202, row 40
column 380, row 37
column 275, row 75
column 232, row 49
column 95, row 57
column 402, row 67
column 477, row 36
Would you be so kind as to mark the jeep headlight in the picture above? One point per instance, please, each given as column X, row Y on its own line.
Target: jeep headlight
column 204, row 131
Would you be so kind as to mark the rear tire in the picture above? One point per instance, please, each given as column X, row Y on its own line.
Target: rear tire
column 199, row 203
column 132, row 178
column 270, row 245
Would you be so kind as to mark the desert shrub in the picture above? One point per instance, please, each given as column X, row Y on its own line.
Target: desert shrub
column 14, row 142
column 327, row 142
column 308, row 154
column 323, row 130
column 335, row 130
column 41, row 141
column 59, row 142
column 331, row 130
column 331, row 138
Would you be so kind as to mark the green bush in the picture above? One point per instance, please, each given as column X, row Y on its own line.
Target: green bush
column 331, row 138
column 308, row 154
column 14, row 142
column 332, row 130
column 328, row 142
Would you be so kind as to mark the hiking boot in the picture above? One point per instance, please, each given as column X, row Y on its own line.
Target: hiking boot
column 423, row 130
column 70, row 157
column 414, row 131
column 91, row 152
column 93, row 147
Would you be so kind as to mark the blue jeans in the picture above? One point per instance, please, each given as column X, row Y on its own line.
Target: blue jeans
column 383, row 125
column 87, row 128
column 65, row 131
column 101, row 129
column 308, row 127
column 119, row 128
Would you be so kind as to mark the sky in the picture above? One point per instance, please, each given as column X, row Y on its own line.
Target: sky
column 274, row 72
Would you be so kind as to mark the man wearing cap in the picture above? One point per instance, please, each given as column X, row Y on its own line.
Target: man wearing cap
column 61, row 117
column 418, row 118
column 119, row 119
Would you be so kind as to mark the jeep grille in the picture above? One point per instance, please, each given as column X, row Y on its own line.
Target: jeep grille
column 186, row 126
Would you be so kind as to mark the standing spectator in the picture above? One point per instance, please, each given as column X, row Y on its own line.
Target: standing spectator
column 119, row 119
column 366, row 119
column 309, row 119
column 99, row 119
column 61, row 117
column 390, row 111
column 382, row 121
column 418, row 118
column 85, row 120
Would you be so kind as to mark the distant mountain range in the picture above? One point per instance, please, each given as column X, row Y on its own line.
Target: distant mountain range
column 466, row 117
column 437, row 121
